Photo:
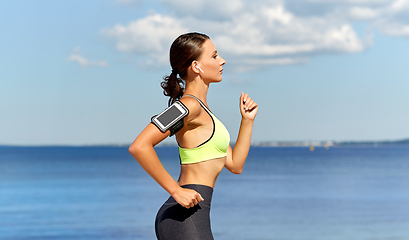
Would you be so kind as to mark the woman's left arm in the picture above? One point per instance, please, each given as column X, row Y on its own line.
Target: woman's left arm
column 237, row 157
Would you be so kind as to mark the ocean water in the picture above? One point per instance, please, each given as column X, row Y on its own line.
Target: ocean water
column 283, row 193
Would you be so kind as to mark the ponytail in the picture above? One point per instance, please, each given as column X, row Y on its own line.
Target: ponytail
column 184, row 50
column 173, row 87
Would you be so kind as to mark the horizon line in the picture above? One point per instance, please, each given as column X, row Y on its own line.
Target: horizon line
column 254, row 143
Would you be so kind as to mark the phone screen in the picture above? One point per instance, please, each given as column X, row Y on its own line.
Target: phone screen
column 168, row 116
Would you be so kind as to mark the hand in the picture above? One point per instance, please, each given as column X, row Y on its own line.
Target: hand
column 248, row 107
column 187, row 197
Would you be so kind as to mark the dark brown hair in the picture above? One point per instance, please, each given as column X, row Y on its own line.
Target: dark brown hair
column 184, row 50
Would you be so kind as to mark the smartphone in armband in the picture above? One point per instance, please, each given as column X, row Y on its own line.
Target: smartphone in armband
column 170, row 117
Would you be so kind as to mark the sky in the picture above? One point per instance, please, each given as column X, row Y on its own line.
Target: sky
column 88, row 72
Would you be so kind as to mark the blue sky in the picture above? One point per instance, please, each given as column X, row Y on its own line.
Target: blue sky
column 88, row 72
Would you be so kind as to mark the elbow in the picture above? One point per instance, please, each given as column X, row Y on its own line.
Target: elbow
column 236, row 171
column 135, row 149
column 131, row 150
column 234, row 168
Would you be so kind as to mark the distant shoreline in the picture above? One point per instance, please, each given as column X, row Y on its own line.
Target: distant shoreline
column 332, row 143
column 257, row 144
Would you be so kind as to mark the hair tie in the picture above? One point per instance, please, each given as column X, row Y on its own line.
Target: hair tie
column 174, row 72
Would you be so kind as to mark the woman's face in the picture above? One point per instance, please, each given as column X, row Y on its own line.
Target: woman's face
column 211, row 63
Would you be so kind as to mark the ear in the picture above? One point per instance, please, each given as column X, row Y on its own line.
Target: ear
column 194, row 68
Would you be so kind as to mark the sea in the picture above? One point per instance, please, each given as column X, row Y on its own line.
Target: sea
column 284, row 193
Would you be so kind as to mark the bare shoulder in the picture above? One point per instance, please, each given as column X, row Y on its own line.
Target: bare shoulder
column 194, row 107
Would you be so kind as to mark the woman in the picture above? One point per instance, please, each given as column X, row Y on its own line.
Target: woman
column 203, row 141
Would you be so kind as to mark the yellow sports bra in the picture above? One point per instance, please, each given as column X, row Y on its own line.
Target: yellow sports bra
column 215, row 147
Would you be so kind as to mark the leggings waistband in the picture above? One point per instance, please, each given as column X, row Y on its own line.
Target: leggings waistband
column 205, row 191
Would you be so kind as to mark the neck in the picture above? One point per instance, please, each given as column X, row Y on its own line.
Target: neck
column 197, row 88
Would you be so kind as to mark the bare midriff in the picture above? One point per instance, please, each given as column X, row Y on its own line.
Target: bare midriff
column 203, row 173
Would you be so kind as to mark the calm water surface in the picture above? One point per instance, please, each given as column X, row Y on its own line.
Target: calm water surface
column 283, row 193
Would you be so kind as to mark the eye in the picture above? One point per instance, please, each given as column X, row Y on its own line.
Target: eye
column 215, row 56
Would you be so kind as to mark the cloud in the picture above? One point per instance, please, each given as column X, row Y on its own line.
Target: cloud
column 150, row 36
column 276, row 32
column 363, row 13
column 395, row 19
column 263, row 33
column 82, row 61
column 400, row 6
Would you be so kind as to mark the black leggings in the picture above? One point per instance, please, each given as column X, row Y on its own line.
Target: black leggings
column 174, row 222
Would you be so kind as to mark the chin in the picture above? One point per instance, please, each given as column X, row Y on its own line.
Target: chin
column 216, row 80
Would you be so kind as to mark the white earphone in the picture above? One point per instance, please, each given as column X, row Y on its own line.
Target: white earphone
column 199, row 69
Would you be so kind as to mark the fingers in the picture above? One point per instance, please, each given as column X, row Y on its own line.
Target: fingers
column 246, row 103
column 250, row 105
column 191, row 199
column 193, row 202
column 197, row 198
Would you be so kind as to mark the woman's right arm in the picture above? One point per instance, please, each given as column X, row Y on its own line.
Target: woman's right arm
column 142, row 149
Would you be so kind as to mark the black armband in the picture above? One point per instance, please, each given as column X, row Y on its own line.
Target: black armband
column 172, row 118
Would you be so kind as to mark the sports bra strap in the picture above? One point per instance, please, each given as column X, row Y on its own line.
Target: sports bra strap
column 201, row 103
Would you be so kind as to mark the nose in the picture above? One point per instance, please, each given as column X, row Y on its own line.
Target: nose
column 222, row 62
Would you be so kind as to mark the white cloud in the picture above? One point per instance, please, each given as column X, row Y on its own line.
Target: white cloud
column 78, row 58
column 150, row 36
column 364, row 13
column 273, row 31
column 261, row 33
column 395, row 19
column 146, row 35
column 400, row 6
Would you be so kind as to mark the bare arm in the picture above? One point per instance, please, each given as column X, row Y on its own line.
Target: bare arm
column 142, row 149
column 237, row 157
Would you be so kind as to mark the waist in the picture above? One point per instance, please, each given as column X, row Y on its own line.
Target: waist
column 205, row 191
column 202, row 173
